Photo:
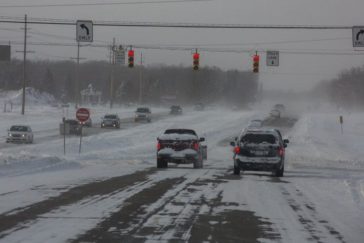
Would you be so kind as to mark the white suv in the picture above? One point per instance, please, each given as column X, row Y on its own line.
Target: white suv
column 143, row 114
column 20, row 134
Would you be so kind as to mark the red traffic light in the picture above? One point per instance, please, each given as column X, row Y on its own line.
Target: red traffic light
column 256, row 63
column 196, row 60
column 131, row 53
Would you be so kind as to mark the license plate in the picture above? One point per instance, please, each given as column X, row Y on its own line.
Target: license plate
column 259, row 153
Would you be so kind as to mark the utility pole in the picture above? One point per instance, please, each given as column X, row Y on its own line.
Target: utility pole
column 141, row 79
column 78, row 74
column 113, row 48
column 24, row 65
column 77, row 83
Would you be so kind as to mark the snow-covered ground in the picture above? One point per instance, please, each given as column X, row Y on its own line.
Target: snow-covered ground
column 324, row 180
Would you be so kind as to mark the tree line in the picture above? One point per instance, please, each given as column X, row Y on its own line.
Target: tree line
column 209, row 84
column 345, row 91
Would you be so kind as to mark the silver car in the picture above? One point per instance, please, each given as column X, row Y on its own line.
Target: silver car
column 143, row 114
column 20, row 134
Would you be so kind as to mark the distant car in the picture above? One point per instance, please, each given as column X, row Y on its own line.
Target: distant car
column 279, row 107
column 87, row 123
column 175, row 110
column 20, row 134
column 257, row 123
column 199, row 107
column 275, row 114
column 110, row 120
column 260, row 150
column 180, row 146
column 74, row 127
column 143, row 114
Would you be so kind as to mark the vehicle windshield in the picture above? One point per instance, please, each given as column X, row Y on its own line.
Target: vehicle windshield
column 143, row 110
column 180, row 131
column 110, row 117
column 19, row 129
column 258, row 138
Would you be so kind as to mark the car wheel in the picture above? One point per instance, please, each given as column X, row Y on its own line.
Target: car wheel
column 236, row 170
column 279, row 172
column 162, row 163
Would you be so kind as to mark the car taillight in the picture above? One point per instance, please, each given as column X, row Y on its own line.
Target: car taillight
column 196, row 146
column 281, row 151
column 237, row 150
column 159, row 146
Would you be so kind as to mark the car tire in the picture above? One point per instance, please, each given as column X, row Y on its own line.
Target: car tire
column 279, row 172
column 236, row 170
column 162, row 163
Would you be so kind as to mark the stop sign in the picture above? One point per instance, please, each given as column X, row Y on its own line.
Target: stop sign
column 82, row 114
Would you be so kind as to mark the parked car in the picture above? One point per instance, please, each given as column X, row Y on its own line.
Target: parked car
column 199, row 107
column 20, row 134
column 110, row 120
column 175, row 110
column 87, row 123
column 180, row 146
column 260, row 150
column 143, row 114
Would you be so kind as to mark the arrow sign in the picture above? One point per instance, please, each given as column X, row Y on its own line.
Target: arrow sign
column 83, row 26
column 358, row 36
column 84, row 31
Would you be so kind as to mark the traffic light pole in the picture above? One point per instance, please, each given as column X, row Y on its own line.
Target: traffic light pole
column 141, row 79
column 24, row 65
column 112, row 74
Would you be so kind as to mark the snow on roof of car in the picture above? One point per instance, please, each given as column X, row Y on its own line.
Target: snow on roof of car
column 177, row 136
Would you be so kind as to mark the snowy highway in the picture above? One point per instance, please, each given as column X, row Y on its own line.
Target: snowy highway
column 112, row 191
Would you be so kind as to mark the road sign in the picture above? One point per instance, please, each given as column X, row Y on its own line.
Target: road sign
column 84, row 31
column 120, row 56
column 358, row 36
column 273, row 58
column 82, row 114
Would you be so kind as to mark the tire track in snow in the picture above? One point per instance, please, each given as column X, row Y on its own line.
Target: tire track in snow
column 17, row 217
column 309, row 217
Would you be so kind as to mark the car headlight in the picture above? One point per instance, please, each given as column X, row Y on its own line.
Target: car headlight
column 10, row 135
column 23, row 135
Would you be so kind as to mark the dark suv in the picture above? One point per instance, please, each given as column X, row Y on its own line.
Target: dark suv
column 180, row 146
column 110, row 120
column 175, row 110
column 260, row 150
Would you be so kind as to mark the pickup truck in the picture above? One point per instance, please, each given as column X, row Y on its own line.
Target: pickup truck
column 180, row 146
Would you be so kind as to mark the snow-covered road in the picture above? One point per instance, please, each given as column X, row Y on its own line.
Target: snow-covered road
column 112, row 192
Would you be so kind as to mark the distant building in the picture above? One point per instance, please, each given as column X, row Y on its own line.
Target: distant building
column 91, row 96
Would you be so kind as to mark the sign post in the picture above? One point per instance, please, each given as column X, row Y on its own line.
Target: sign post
column 341, row 118
column 82, row 115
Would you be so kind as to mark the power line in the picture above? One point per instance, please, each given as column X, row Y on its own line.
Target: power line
column 174, row 25
column 99, row 4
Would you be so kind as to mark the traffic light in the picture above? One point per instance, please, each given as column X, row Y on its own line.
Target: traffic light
column 256, row 63
column 131, row 58
column 196, row 60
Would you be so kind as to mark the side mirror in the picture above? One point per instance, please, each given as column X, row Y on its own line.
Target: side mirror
column 285, row 141
column 232, row 143
column 202, row 139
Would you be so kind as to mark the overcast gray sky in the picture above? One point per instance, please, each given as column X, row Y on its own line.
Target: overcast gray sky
column 296, row 71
